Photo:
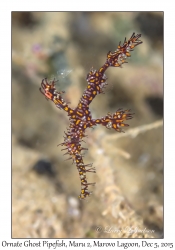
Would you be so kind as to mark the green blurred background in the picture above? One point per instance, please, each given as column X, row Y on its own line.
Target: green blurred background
column 65, row 45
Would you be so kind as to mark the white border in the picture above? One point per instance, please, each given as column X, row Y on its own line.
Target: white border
column 5, row 98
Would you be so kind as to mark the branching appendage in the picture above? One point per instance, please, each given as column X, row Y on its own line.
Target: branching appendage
column 81, row 118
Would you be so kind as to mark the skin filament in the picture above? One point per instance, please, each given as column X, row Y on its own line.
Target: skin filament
column 81, row 118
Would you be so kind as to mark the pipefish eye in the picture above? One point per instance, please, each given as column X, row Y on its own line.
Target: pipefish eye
column 81, row 118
